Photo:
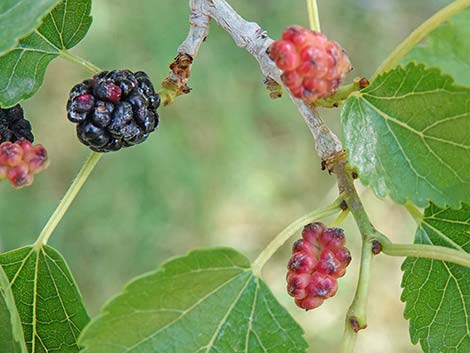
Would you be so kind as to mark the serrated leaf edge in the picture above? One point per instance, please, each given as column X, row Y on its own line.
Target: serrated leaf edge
column 359, row 94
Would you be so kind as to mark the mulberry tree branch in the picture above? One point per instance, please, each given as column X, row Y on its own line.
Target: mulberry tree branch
column 251, row 37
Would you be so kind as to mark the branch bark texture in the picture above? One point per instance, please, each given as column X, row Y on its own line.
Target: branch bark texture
column 251, row 37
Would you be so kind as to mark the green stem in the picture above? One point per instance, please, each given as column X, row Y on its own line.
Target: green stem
column 313, row 17
column 356, row 317
column 427, row 251
column 78, row 60
column 357, row 310
column 339, row 96
column 415, row 213
column 419, row 33
column 290, row 230
column 341, row 217
column 349, row 339
column 69, row 196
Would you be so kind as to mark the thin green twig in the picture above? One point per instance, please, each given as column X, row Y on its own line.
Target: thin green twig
column 341, row 217
column 78, row 60
column 69, row 196
column 419, row 33
column 313, row 17
column 290, row 230
column 427, row 251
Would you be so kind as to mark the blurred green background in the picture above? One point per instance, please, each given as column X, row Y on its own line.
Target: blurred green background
column 227, row 167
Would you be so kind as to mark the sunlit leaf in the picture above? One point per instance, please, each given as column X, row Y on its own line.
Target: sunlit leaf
column 437, row 294
column 448, row 48
column 208, row 301
column 11, row 332
column 23, row 68
column 48, row 301
column 407, row 134
column 19, row 17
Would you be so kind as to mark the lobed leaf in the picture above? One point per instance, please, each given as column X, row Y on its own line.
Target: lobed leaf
column 206, row 302
column 11, row 332
column 437, row 294
column 47, row 298
column 448, row 48
column 23, row 68
column 19, row 17
column 407, row 135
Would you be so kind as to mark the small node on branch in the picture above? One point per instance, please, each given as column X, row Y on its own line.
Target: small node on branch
column 176, row 84
column 312, row 66
column 376, row 247
column 363, row 83
column 274, row 88
column 330, row 162
column 356, row 326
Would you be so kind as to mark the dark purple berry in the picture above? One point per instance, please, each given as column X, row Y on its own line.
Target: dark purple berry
column 102, row 114
column 107, row 91
column 114, row 109
column 84, row 103
column 92, row 135
column 13, row 126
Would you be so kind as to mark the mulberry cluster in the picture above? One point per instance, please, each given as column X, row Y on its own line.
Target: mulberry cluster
column 19, row 158
column 317, row 261
column 13, row 126
column 19, row 161
column 114, row 109
column 313, row 66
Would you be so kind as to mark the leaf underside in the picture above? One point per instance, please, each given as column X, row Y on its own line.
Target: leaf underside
column 407, row 134
column 206, row 302
column 23, row 68
column 448, row 48
column 11, row 332
column 19, row 17
column 437, row 294
column 47, row 298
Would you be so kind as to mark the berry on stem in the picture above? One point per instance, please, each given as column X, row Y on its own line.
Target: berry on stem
column 318, row 260
column 19, row 158
column 313, row 67
column 113, row 110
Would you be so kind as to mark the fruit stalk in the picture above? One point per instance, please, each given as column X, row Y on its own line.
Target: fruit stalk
column 289, row 231
column 69, row 196
column 78, row 60
column 313, row 18
column 420, row 33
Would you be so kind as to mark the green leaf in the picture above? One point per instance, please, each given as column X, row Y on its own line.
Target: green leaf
column 23, row 68
column 18, row 18
column 448, row 47
column 407, row 135
column 47, row 298
column 11, row 332
column 206, row 302
column 437, row 294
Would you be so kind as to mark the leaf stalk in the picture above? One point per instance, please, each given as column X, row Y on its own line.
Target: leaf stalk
column 289, row 231
column 420, row 33
column 69, row 196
